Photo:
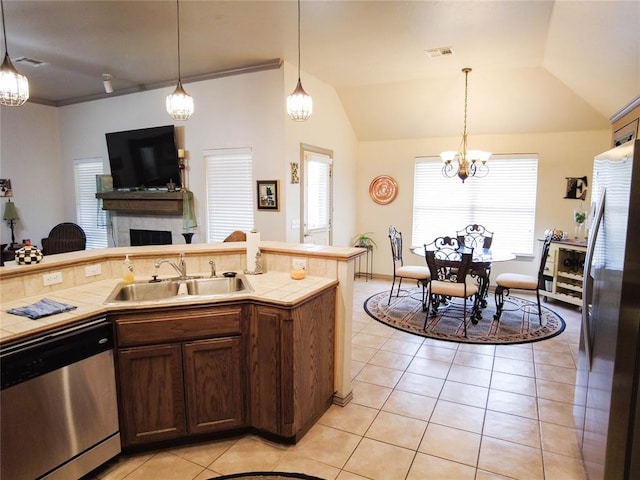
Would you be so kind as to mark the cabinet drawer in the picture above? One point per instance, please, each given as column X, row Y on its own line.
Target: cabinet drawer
column 158, row 327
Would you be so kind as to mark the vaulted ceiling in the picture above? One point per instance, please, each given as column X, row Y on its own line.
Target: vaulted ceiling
column 538, row 66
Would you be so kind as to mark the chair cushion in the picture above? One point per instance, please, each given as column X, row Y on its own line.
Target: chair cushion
column 413, row 271
column 452, row 289
column 517, row 280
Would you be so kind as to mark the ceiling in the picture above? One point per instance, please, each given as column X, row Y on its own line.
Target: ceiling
column 538, row 66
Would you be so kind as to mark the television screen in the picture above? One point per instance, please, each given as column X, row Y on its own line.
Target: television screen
column 144, row 158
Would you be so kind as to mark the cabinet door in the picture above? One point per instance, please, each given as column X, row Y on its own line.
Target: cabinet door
column 151, row 394
column 214, row 386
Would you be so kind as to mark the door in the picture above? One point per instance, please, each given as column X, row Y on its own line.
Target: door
column 317, row 195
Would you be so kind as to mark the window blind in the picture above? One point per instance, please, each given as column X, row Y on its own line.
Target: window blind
column 504, row 202
column 230, row 196
column 317, row 183
column 89, row 215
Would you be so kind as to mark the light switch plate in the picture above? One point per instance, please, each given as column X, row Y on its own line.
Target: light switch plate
column 92, row 270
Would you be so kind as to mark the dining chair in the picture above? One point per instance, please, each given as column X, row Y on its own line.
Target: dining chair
column 449, row 264
column 475, row 236
column 400, row 271
column 505, row 282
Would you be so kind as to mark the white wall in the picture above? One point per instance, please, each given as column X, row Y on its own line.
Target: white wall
column 30, row 158
column 562, row 154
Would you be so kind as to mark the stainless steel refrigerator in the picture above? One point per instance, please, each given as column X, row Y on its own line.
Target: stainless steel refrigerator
column 607, row 409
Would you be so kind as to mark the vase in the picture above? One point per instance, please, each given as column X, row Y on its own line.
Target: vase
column 187, row 236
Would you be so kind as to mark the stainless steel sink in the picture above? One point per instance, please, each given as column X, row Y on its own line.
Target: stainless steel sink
column 175, row 289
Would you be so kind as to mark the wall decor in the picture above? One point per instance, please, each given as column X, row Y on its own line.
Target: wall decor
column 295, row 176
column 5, row 188
column 383, row 189
column 576, row 188
column 626, row 134
column 267, row 195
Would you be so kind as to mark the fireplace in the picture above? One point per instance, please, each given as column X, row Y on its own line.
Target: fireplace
column 149, row 237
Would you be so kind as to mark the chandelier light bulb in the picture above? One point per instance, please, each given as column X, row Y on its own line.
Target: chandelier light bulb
column 14, row 87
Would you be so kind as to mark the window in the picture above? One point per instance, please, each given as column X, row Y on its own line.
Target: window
column 89, row 214
column 504, row 202
column 229, row 192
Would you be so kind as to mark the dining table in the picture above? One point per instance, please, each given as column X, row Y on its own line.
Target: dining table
column 480, row 269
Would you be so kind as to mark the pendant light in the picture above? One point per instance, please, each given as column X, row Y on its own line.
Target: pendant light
column 299, row 103
column 465, row 163
column 14, row 87
column 179, row 103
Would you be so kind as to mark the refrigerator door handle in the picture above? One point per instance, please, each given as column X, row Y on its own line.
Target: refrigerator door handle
column 587, row 294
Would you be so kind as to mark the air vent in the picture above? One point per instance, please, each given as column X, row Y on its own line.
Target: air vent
column 29, row 61
column 439, row 52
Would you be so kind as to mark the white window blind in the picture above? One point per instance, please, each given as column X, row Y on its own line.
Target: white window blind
column 230, row 196
column 504, row 202
column 317, row 183
column 89, row 215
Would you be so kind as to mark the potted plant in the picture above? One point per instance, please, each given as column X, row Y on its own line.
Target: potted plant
column 364, row 240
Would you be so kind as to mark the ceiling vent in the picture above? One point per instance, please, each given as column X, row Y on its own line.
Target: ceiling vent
column 29, row 61
column 439, row 52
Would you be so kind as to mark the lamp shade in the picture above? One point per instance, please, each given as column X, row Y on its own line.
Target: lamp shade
column 10, row 212
column 14, row 87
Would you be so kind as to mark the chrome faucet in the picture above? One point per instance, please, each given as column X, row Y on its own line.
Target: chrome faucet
column 181, row 267
column 213, row 268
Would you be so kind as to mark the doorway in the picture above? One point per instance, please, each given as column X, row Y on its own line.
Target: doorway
column 317, row 195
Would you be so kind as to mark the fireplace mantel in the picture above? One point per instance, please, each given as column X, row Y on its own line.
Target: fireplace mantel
column 142, row 201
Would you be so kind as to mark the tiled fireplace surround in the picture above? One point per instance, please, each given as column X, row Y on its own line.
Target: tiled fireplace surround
column 123, row 223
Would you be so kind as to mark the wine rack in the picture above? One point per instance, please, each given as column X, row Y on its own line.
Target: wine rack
column 564, row 270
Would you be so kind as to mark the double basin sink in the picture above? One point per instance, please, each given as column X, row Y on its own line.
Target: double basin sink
column 179, row 289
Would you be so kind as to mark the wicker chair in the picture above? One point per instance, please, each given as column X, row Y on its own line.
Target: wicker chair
column 64, row 237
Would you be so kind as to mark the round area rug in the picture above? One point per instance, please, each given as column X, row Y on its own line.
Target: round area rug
column 268, row 476
column 519, row 322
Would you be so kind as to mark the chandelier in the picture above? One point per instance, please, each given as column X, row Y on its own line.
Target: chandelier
column 465, row 163
column 299, row 103
column 14, row 87
column 179, row 103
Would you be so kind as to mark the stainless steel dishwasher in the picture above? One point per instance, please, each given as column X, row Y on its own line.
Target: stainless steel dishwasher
column 59, row 408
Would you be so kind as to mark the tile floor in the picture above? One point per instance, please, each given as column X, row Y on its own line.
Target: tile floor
column 421, row 409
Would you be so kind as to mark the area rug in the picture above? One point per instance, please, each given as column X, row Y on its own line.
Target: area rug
column 519, row 322
column 268, row 476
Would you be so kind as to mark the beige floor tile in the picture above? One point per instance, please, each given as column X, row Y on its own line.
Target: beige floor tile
column 513, row 383
column 352, row 418
column 434, row 352
column 400, row 346
column 397, row 430
column 420, row 384
column 464, row 393
column 123, row 466
column 470, row 375
column 456, row 415
column 297, row 464
column 386, row 377
column 451, row 443
column 206, row 474
column 510, row 459
column 478, row 348
column 427, row 467
column 349, row 476
column 472, row 359
column 556, row 374
column 361, row 462
column 556, row 412
column 366, row 340
column 326, row 445
column 513, row 403
column 516, row 352
column 204, row 453
column 406, row 337
column 356, row 368
column 369, row 394
column 514, row 366
column 429, row 367
column 560, row 439
column 248, row 454
column 362, row 354
column 558, row 359
column 482, row 475
column 378, row 329
column 166, row 466
column 393, row 360
column 559, row 392
column 512, row 428
column 561, row 467
column 410, row 405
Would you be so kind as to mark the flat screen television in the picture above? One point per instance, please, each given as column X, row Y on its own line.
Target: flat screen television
column 143, row 159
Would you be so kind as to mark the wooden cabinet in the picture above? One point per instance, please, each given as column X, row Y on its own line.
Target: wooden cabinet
column 291, row 364
column 180, row 373
column 564, row 271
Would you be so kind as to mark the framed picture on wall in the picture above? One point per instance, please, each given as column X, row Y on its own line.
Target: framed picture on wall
column 268, row 195
column 5, row 188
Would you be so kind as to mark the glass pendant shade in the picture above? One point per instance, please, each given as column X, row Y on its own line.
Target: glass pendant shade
column 299, row 104
column 14, row 87
column 180, row 104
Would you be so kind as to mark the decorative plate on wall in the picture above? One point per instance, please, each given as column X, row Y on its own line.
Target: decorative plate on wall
column 383, row 189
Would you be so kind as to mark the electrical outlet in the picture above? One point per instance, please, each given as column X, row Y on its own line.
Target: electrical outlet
column 51, row 278
column 92, row 270
column 299, row 263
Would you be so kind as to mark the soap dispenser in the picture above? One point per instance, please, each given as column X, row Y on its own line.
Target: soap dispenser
column 127, row 274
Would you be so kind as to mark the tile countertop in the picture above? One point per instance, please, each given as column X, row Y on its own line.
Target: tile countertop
column 273, row 287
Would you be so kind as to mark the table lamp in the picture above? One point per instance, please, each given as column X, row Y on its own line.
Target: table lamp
column 11, row 215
